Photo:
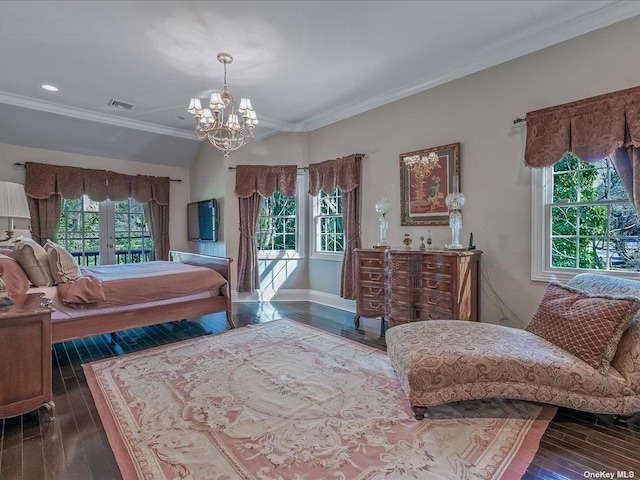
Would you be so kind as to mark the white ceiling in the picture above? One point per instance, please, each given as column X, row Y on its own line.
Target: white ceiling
column 304, row 64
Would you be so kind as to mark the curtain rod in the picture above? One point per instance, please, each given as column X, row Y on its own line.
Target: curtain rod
column 307, row 168
column 18, row 164
column 299, row 168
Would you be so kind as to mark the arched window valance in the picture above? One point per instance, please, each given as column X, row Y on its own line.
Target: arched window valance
column 46, row 186
column 44, row 180
column 265, row 180
column 594, row 128
column 591, row 129
column 342, row 173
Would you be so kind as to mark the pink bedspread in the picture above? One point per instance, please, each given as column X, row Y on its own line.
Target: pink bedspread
column 110, row 285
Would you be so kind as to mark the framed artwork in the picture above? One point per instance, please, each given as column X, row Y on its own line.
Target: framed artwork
column 426, row 178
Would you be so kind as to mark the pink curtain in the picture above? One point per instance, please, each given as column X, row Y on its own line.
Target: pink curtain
column 45, row 216
column 591, row 129
column 248, row 278
column 46, row 186
column 343, row 173
column 252, row 183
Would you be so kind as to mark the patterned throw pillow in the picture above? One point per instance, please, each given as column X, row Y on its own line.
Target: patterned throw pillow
column 586, row 325
column 64, row 267
column 33, row 258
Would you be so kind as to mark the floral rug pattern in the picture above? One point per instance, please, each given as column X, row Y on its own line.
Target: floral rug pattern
column 282, row 400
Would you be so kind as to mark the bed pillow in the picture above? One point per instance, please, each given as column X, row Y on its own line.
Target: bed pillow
column 13, row 276
column 7, row 252
column 33, row 259
column 64, row 268
column 588, row 326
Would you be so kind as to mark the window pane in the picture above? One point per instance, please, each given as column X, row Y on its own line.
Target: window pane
column 591, row 253
column 564, row 253
column 564, row 220
column 593, row 220
column 277, row 224
column 329, row 229
column 565, row 187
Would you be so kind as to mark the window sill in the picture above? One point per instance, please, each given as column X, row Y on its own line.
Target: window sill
column 332, row 257
column 280, row 255
column 565, row 275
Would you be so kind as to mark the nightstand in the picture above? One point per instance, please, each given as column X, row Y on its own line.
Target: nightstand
column 25, row 356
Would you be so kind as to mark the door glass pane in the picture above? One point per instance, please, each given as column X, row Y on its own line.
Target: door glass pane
column 82, row 232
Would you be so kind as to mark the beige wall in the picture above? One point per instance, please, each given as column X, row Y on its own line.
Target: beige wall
column 10, row 154
column 476, row 111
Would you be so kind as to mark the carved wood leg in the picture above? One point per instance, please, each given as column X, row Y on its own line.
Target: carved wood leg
column 51, row 410
column 419, row 412
column 356, row 322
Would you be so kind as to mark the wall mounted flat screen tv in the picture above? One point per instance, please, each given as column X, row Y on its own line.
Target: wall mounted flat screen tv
column 202, row 221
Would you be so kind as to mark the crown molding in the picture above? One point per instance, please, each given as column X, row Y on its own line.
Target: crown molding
column 82, row 114
column 283, row 126
column 566, row 30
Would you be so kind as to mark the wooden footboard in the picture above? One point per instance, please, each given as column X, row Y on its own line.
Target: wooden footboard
column 68, row 329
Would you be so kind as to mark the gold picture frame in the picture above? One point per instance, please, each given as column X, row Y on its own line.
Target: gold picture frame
column 426, row 178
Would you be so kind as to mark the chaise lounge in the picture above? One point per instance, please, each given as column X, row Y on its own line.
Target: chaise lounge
column 596, row 369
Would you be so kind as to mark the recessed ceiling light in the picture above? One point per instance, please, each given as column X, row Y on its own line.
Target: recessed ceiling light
column 50, row 88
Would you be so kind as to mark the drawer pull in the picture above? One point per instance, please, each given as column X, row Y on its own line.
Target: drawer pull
column 375, row 276
column 375, row 291
column 434, row 286
column 432, row 266
column 375, row 305
column 433, row 302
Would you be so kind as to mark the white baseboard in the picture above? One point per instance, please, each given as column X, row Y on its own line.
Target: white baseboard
column 331, row 300
column 295, row 295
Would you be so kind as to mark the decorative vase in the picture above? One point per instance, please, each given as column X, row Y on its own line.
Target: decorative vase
column 407, row 241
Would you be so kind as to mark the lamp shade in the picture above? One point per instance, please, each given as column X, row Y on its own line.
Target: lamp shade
column 13, row 201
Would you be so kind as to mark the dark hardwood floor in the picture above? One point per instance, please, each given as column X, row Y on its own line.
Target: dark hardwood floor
column 575, row 446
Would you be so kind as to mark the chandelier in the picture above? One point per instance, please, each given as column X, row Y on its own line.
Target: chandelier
column 227, row 127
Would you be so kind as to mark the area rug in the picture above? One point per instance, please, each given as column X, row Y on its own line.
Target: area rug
column 281, row 400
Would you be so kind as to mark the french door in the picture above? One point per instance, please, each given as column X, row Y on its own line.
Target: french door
column 104, row 233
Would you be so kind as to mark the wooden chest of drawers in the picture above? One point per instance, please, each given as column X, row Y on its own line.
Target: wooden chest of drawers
column 408, row 285
column 370, row 301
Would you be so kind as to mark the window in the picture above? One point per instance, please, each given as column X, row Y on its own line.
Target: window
column 329, row 235
column 101, row 233
column 582, row 221
column 277, row 229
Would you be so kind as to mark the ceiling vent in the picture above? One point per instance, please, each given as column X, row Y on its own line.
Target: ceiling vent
column 120, row 104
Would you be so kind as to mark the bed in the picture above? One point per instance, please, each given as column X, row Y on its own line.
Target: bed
column 71, row 322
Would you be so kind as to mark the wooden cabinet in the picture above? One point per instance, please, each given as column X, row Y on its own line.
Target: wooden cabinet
column 25, row 356
column 370, row 301
column 415, row 285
